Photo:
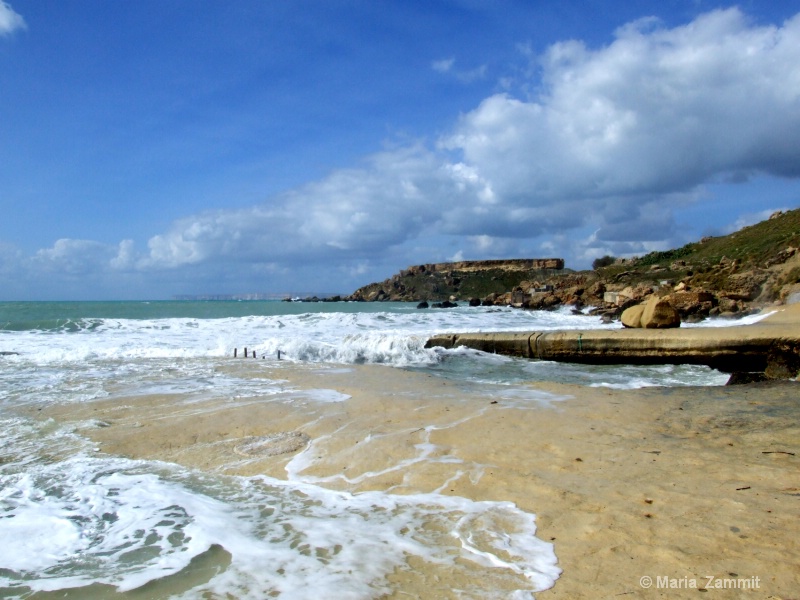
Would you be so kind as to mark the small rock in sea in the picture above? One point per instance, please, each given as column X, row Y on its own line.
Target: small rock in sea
column 445, row 304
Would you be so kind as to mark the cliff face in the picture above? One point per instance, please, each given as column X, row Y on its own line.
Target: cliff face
column 462, row 280
column 474, row 266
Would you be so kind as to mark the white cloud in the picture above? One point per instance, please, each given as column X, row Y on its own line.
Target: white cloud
column 658, row 111
column 74, row 257
column 352, row 213
column 126, row 256
column 10, row 21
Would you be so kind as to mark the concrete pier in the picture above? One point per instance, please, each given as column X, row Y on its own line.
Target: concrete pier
column 771, row 346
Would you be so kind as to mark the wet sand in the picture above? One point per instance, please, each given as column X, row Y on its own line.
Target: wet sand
column 679, row 483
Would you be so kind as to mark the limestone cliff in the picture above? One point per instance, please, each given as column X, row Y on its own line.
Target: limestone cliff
column 460, row 280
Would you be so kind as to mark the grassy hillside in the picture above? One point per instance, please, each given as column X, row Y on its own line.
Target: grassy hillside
column 752, row 246
column 711, row 262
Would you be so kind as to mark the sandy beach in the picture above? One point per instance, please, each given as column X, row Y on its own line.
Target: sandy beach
column 673, row 484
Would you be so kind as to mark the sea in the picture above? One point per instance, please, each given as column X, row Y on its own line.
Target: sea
column 78, row 523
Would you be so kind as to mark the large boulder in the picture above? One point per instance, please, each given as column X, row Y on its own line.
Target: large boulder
column 632, row 316
column 658, row 313
column 691, row 302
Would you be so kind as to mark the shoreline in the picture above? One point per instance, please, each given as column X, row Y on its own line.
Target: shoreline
column 661, row 482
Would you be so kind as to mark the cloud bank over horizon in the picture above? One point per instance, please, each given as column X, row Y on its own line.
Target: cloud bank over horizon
column 594, row 152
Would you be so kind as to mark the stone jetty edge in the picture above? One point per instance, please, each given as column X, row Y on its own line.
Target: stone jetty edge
column 771, row 346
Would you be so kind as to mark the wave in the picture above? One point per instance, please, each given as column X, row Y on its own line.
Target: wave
column 393, row 337
column 390, row 337
column 92, row 520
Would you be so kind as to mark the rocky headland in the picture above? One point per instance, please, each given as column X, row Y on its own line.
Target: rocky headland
column 728, row 276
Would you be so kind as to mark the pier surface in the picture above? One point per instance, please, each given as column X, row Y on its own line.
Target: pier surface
column 771, row 346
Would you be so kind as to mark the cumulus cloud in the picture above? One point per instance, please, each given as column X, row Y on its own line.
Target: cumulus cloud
column 10, row 21
column 656, row 112
column 125, row 259
column 397, row 195
column 74, row 257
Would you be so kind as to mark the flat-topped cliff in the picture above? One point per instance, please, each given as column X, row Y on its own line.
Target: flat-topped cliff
column 471, row 266
column 460, row 279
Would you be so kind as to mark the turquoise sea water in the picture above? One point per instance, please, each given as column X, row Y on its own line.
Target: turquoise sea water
column 17, row 316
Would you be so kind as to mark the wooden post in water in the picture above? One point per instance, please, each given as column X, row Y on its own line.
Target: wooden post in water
column 247, row 353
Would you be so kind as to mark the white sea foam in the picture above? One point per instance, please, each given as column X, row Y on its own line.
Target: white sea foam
column 394, row 337
column 625, row 376
column 728, row 322
column 102, row 358
column 321, row 395
column 125, row 523
column 78, row 519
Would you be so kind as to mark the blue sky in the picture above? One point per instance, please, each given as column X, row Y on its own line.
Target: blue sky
column 164, row 147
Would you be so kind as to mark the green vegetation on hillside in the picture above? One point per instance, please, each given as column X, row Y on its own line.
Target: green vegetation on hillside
column 751, row 249
column 751, row 246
